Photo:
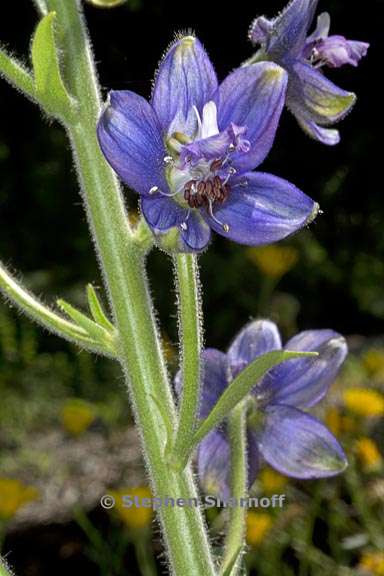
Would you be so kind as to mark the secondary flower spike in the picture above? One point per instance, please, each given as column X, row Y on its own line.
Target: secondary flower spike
column 279, row 428
column 189, row 152
column 315, row 101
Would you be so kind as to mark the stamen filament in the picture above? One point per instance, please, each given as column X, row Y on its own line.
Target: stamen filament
column 156, row 189
column 184, row 225
column 231, row 172
column 222, row 224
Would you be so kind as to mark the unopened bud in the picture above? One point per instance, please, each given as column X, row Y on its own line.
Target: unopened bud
column 106, row 3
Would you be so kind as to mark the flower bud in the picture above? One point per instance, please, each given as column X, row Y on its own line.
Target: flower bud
column 106, row 3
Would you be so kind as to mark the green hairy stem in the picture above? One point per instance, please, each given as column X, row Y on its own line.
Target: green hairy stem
column 122, row 262
column 123, row 268
column 236, row 523
column 190, row 338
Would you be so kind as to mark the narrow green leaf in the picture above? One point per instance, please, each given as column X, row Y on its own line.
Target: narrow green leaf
column 242, row 385
column 16, row 74
column 228, row 570
column 96, row 309
column 27, row 302
column 235, row 392
column 95, row 331
column 49, row 85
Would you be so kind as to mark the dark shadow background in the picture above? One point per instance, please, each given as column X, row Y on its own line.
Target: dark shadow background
column 338, row 283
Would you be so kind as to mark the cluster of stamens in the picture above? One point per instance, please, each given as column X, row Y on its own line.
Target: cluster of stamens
column 205, row 192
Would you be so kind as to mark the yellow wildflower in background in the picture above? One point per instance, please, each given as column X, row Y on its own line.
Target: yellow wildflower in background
column 274, row 261
column 133, row 517
column 76, row 416
column 13, row 495
column 368, row 454
column 373, row 361
column 258, row 526
column 348, row 424
column 333, row 420
column 271, row 481
column 338, row 422
column 364, row 401
column 372, row 562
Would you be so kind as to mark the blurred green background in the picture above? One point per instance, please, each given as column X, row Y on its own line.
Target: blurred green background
column 62, row 412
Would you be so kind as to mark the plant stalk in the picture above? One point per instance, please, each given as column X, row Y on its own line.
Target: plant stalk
column 190, row 316
column 235, row 537
column 124, row 274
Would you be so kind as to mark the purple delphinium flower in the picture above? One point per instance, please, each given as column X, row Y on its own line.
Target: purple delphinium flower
column 189, row 152
column 315, row 101
column 280, row 431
